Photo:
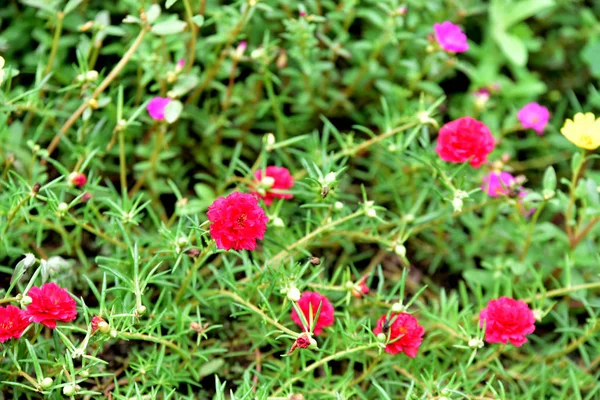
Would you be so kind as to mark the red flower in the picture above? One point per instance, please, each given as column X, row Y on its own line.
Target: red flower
column 99, row 323
column 237, row 221
column 274, row 180
column 507, row 320
column 13, row 322
column 49, row 304
column 360, row 288
column 465, row 139
column 309, row 304
column 404, row 334
column 78, row 179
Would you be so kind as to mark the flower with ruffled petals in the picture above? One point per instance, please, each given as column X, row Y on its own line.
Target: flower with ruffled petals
column 465, row 139
column 450, row 37
column 583, row 131
column 156, row 107
column 403, row 333
column 497, row 184
column 507, row 320
column 309, row 304
column 50, row 303
column 534, row 116
column 237, row 221
column 271, row 184
column 13, row 322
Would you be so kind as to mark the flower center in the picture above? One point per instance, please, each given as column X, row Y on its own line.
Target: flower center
column 402, row 330
column 241, row 220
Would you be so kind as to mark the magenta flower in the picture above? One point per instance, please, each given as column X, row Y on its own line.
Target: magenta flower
column 156, row 107
column 534, row 116
column 180, row 64
column 450, row 37
column 497, row 184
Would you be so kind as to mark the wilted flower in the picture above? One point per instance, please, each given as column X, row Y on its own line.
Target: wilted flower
column 450, row 37
column 497, row 184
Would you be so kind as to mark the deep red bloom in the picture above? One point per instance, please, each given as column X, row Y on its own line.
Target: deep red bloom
column 50, row 304
column 507, row 320
column 309, row 304
column 465, row 139
column 403, row 331
column 13, row 322
column 275, row 179
column 78, row 179
column 237, row 221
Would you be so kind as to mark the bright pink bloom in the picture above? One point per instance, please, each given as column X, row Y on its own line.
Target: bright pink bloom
column 50, row 304
column 156, row 107
column 450, row 37
column 534, row 116
column 237, row 221
column 309, row 304
column 13, row 322
column 78, row 179
column 497, row 184
column 507, row 320
column 403, row 332
column 86, row 197
column 275, row 180
column 465, row 139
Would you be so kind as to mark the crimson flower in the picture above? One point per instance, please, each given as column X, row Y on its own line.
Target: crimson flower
column 309, row 304
column 50, row 303
column 13, row 322
column 465, row 139
column 274, row 180
column 404, row 334
column 78, row 179
column 507, row 320
column 237, row 221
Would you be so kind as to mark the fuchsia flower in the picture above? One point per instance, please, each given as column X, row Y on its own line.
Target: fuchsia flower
column 309, row 304
column 450, row 37
column 13, row 322
column 403, row 332
column 180, row 64
column 507, row 320
column 237, row 221
column 50, row 303
column 156, row 107
column 78, row 179
column 361, row 288
column 534, row 116
column 275, row 180
column 465, row 139
column 497, row 184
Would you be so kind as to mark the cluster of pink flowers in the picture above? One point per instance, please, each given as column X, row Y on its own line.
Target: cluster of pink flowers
column 49, row 304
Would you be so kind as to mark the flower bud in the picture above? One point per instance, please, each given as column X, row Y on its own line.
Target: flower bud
column 77, row 179
column 330, row 178
column 112, row 333
column 69, row 390
column 400, row 250
column 267, row 181
column 63, row 208
column 457, row 204
column 382, row 337
column 29, row 260
column 293, row 294
column 26, row 300
column 46, row 383
column 475, row 343
column 338, row 205
column 398, row 307
column 91, row 76
column 85, row 373
column 278, row 222
column 269, row 141
column 141, row 310
column 538, row 314
column 93, row 103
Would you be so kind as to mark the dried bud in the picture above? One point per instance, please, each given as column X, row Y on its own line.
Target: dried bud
column 315, row 260
column 282, row 59
column 302, row 342
column 35, row 189
column 296, row 396
column 193, row 253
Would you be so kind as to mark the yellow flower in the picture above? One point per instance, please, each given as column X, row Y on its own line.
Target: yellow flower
column 583, row 131
column 1, row 70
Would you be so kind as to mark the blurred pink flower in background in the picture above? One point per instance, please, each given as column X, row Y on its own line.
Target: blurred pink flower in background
column 534, row 116
column 450, row 37
column 156, row 107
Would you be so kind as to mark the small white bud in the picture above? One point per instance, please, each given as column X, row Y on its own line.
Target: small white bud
column 26, row 300
column 63, row 207
column 293, row 294
column 409, row 217
column 182, row 241
column 398, row 307
column 85, row 373
column 141, row 310
column 278, row 222
column 267, row 181
column 257, row 53
column 91, row 76
column 69, row 390
column 457, row 204
column 538, row 314
column 313, row 344
column 338, row 205
column 113, row 333
column 29, row 260
column 371, row 213
column 382, row 337
column 46, row 383
column 400, row 250
column 330, row 178
column 475, row 343
column 548, row 194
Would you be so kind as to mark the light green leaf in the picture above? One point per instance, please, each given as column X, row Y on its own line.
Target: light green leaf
column 517, row 11
column 169, row 3
column 172, row 111
column 198, row 20
column 512, row 47
column 152, row 13
column 169, row 27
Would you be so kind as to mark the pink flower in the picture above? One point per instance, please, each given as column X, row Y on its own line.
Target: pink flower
column 50, row 303
column 156, row 107
column 450, row 37
column 13, row 322
column 534, row 116
column 465, row 139
column 403, row 332
column 309, row 304
column 180, row 64
column 360, row 288
column 78, row 179
column 497, row 184
column 275, row 180
column 507, row 320
column 237, row 221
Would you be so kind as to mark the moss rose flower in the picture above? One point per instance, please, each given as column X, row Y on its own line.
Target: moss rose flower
column 497, row 184
column 534, row 116
column 507, row 320
column 404, row 334
column 50, row 303
column 309, row 304
column 465, row 139
column 156, row 107
column 450, row 37
column 13, row 322
column 237, row 221
column 271, row 184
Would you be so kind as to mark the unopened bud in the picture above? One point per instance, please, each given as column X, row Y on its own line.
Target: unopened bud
column 63, row 207
column 269, row 141
column 87, row 26
column 93, row 103
column 69, row 390
column 457, row 204
column 26, row 300
column 400, row 250
column 29, row 260
column 91, row 76
column 113, row 333
column 338, row 205
column 46, row 383
column 293, row 294
column 475, row 343
column 538, row 314
column 382, row 337
column 141, row 310
column 278, row 222
column 398, row 307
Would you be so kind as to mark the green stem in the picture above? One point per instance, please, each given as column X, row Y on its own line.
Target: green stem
column 122, row 163
column 197, row 264
column 14, row 211
column 194, row 30
column 281, row 134
column 563, row 291
column 576, row 343
column 57, row 32
column 9, row 300
column 366, row 144
column 148, row 338
column 530, row 232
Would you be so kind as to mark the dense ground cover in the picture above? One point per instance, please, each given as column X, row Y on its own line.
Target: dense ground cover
column 299, row 200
